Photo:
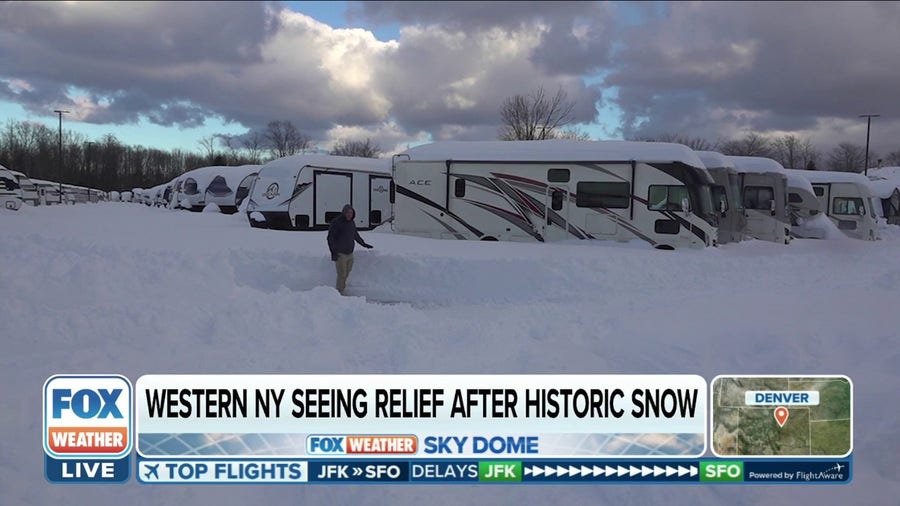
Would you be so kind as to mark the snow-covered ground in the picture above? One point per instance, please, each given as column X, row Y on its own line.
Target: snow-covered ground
column 124, row 288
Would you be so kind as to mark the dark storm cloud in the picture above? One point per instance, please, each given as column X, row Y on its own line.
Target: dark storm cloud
column 760, row 65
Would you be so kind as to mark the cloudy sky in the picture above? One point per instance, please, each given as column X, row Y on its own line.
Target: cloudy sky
column 167, row 74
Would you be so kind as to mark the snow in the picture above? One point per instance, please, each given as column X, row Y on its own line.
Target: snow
column 797, row 179
column 829, row 176
column 884, row 173
column 203, row 176
column 211, row 208
column 118, row 287
column 557, row 150
column 883, row 188
column 292, row 164
column 714, row 160
column 755, row 164
column 234, row 175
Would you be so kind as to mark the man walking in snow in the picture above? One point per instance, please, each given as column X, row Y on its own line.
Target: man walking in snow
column 342, row 236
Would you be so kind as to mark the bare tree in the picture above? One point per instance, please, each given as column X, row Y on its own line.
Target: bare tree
column 253, row 143
column 364, row 149
column 752, row 144
column 892, row 159
column 536, row 116
column 848, row 157
column 793, row 152
column 283, row 139
column 208, row 146
column 573, row 133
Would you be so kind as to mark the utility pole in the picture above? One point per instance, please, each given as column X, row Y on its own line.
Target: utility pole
column 868, row 129
column 60, row 160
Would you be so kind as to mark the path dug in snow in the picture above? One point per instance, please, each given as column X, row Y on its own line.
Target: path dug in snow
column 129, row 289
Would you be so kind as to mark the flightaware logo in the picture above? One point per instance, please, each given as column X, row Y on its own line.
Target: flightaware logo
column 87, row 416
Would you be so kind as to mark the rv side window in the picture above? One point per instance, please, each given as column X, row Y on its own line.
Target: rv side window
column 666, row 198
column 847, row 206
column 558, row 175
column 459, row 188
column 190, row 186
column 794, row 198
column 820, row 192
column 758, row 197
column 556, row 200
column 605, row 195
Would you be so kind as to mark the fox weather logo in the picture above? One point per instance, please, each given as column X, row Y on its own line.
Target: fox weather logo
column 87, row 416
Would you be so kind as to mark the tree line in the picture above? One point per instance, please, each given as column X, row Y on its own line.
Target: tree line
column 109, row 164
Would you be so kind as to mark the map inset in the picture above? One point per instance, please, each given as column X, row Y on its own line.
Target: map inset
column 746, row 428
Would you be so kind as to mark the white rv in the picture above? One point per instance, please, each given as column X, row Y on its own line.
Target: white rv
column 307, row 191
column 726, row 196
column 27, row 190
column 764, row 190
column 803, row 206
column 126, row 196
column 193, row 187
column 555, row 190
column 9, row 190
column 888, row 194
column 48, row 191
column 223, row 189
column 847, row 199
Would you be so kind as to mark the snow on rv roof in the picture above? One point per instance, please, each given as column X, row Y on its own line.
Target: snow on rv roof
column 756, row 164
column 884, row 188
column 296, row 162
column 557, row 150
column 796, row 178
column 884, row 173
column 829, row 176
column 714, row 160
column 234, row 175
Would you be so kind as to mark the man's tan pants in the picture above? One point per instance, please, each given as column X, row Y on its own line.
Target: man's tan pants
column 344, row 265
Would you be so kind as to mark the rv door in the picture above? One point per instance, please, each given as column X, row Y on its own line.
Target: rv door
column 555, row 226
column 333, row 190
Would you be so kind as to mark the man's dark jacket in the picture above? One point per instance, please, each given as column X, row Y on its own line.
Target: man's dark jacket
column 342, row 235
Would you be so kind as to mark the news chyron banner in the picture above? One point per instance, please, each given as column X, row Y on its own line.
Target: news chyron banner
column 332, row 429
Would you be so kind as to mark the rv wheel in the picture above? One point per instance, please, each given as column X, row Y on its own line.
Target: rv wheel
column 665, row 247
column 488, row 238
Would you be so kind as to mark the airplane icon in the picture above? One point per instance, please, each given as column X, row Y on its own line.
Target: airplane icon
column 838, row 467
column 151, row 470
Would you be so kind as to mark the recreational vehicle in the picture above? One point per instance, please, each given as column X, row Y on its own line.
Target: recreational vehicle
column 555, row 190
column 847, row 199
column 48, row 191
column 307, row 191
column 9, row 190
column 803, row 205
column 126, row 196
column 224, row 188
column 193, row 187
column 888, row 194
column 27, row 190
column 764, row 191
column 726, row 196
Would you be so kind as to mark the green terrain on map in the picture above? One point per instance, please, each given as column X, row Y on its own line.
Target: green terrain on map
column 739, row 429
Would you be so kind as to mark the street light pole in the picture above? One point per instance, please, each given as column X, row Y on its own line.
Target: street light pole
column 60, row 160
column 868, row 129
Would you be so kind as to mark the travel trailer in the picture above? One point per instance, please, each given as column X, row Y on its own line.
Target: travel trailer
column 223, row 189
column 307, row 191
column 765, row 192
column 194, row 183
column 48, row 191
column 726, row 196
column 9, row 190
column 847, row 199
column 27, row 190
column 555, row 190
